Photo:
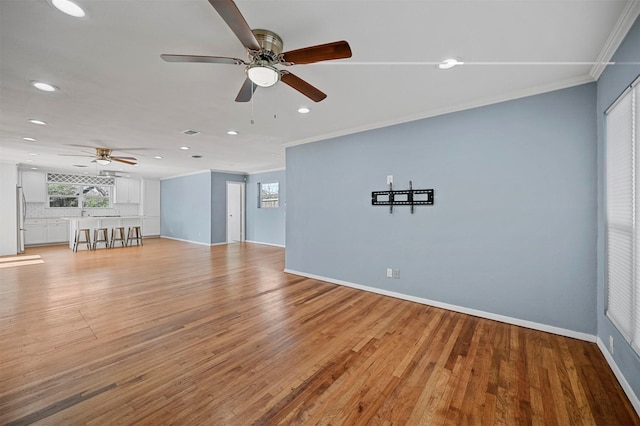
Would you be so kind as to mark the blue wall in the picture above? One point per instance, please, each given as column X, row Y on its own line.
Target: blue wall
column 611, row 84
column 185, row 208
column 266, row 225
column 194, row 207
column 512, row 231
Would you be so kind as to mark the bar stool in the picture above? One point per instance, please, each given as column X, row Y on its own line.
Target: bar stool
column 101, row 235
column 134, row 234
column 117, row 234
column 86, row 232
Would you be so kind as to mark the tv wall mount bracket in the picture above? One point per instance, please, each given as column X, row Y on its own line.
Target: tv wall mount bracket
column 410, row 197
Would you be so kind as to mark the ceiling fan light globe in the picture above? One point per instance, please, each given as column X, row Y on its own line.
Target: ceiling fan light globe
column 263, row 75
column 69, row 7
column 103, row 162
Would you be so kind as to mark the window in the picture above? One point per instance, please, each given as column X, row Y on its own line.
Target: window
column 70, row 195
column 623, row 216
column 63, row 195
column 269, row 194
column 95, row 196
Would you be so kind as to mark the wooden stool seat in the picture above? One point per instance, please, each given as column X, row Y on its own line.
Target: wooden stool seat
column 86, row 232
column 134, row 234
column 117, row 234
column 101, row 235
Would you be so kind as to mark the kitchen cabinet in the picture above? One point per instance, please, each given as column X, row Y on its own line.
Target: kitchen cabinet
column 151, row 197
column 57, row 230
column 151, row 208
column 34, row 186
column 45, row 231
column 151, row 226
column 35, row 231
column 127, row 191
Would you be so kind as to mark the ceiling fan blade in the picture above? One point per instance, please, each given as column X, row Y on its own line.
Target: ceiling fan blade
column 75, row 155
column 246, row 91
column 123, row 161
column 203, row 59
column 321, row 52
column 234, row 19
column 118, row 157
column 302, row 86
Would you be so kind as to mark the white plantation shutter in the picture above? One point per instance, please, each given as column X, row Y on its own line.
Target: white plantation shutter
column 635, row 290
column 623, row 235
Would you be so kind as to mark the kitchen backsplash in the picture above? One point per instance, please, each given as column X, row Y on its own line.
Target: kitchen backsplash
column 38, row 210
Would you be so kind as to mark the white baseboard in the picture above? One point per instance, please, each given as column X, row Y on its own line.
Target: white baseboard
column 264, row 244
column 455, row 308
column 192, row 242
column 633, row 398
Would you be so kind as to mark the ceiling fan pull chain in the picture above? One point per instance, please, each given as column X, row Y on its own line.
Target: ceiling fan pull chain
column 275, row 104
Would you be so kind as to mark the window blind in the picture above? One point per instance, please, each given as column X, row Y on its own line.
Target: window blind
column 623, row 235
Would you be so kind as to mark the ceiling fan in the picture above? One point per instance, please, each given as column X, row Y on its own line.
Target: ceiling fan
column 103, row 157
column 264, row 49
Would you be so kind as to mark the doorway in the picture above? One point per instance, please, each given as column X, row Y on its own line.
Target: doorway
column 235, row 212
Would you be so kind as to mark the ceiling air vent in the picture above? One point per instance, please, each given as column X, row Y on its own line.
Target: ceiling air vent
column 190, row 132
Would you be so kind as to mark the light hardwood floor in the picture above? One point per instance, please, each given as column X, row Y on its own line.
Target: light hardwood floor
column 183, row 334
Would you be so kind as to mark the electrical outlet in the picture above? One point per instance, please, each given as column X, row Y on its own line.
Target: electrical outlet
column 396, row 274
column 611, row 345
column 389, row 179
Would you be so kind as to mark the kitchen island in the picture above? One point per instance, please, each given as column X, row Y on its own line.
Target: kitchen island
column 95, row 222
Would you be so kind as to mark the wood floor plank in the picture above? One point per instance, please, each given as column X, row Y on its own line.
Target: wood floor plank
column 175, row 333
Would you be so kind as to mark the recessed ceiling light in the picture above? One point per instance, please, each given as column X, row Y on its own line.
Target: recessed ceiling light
column 32, row 153
column 232, row 132
column 304, row 110
column 69, row 7
column 40, row 122
column 158, row 157
column 29, row 161
column 449, row 63
column 45, row 87
column 184, row 148
column 34, row 168
column 29, row 139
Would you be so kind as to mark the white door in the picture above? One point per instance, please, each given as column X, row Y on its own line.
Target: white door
column 235, row 212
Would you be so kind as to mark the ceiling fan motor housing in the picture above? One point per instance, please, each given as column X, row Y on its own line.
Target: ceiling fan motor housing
column 261, row 70
column 270, row 44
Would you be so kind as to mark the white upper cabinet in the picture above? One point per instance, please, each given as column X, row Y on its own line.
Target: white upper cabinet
column 127, row 191
column 151, row 197
column 34, row 185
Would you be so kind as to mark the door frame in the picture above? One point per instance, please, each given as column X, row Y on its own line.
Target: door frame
column 242, row 210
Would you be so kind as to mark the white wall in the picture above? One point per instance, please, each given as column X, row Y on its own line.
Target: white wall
column 8, row 209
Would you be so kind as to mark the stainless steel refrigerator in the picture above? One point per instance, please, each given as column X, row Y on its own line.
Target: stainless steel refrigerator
column 21, row 202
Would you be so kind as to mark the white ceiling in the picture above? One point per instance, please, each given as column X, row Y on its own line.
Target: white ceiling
column 116, row 92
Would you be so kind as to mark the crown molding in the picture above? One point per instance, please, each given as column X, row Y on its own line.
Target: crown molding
column 505, row 97
column 619, row 32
